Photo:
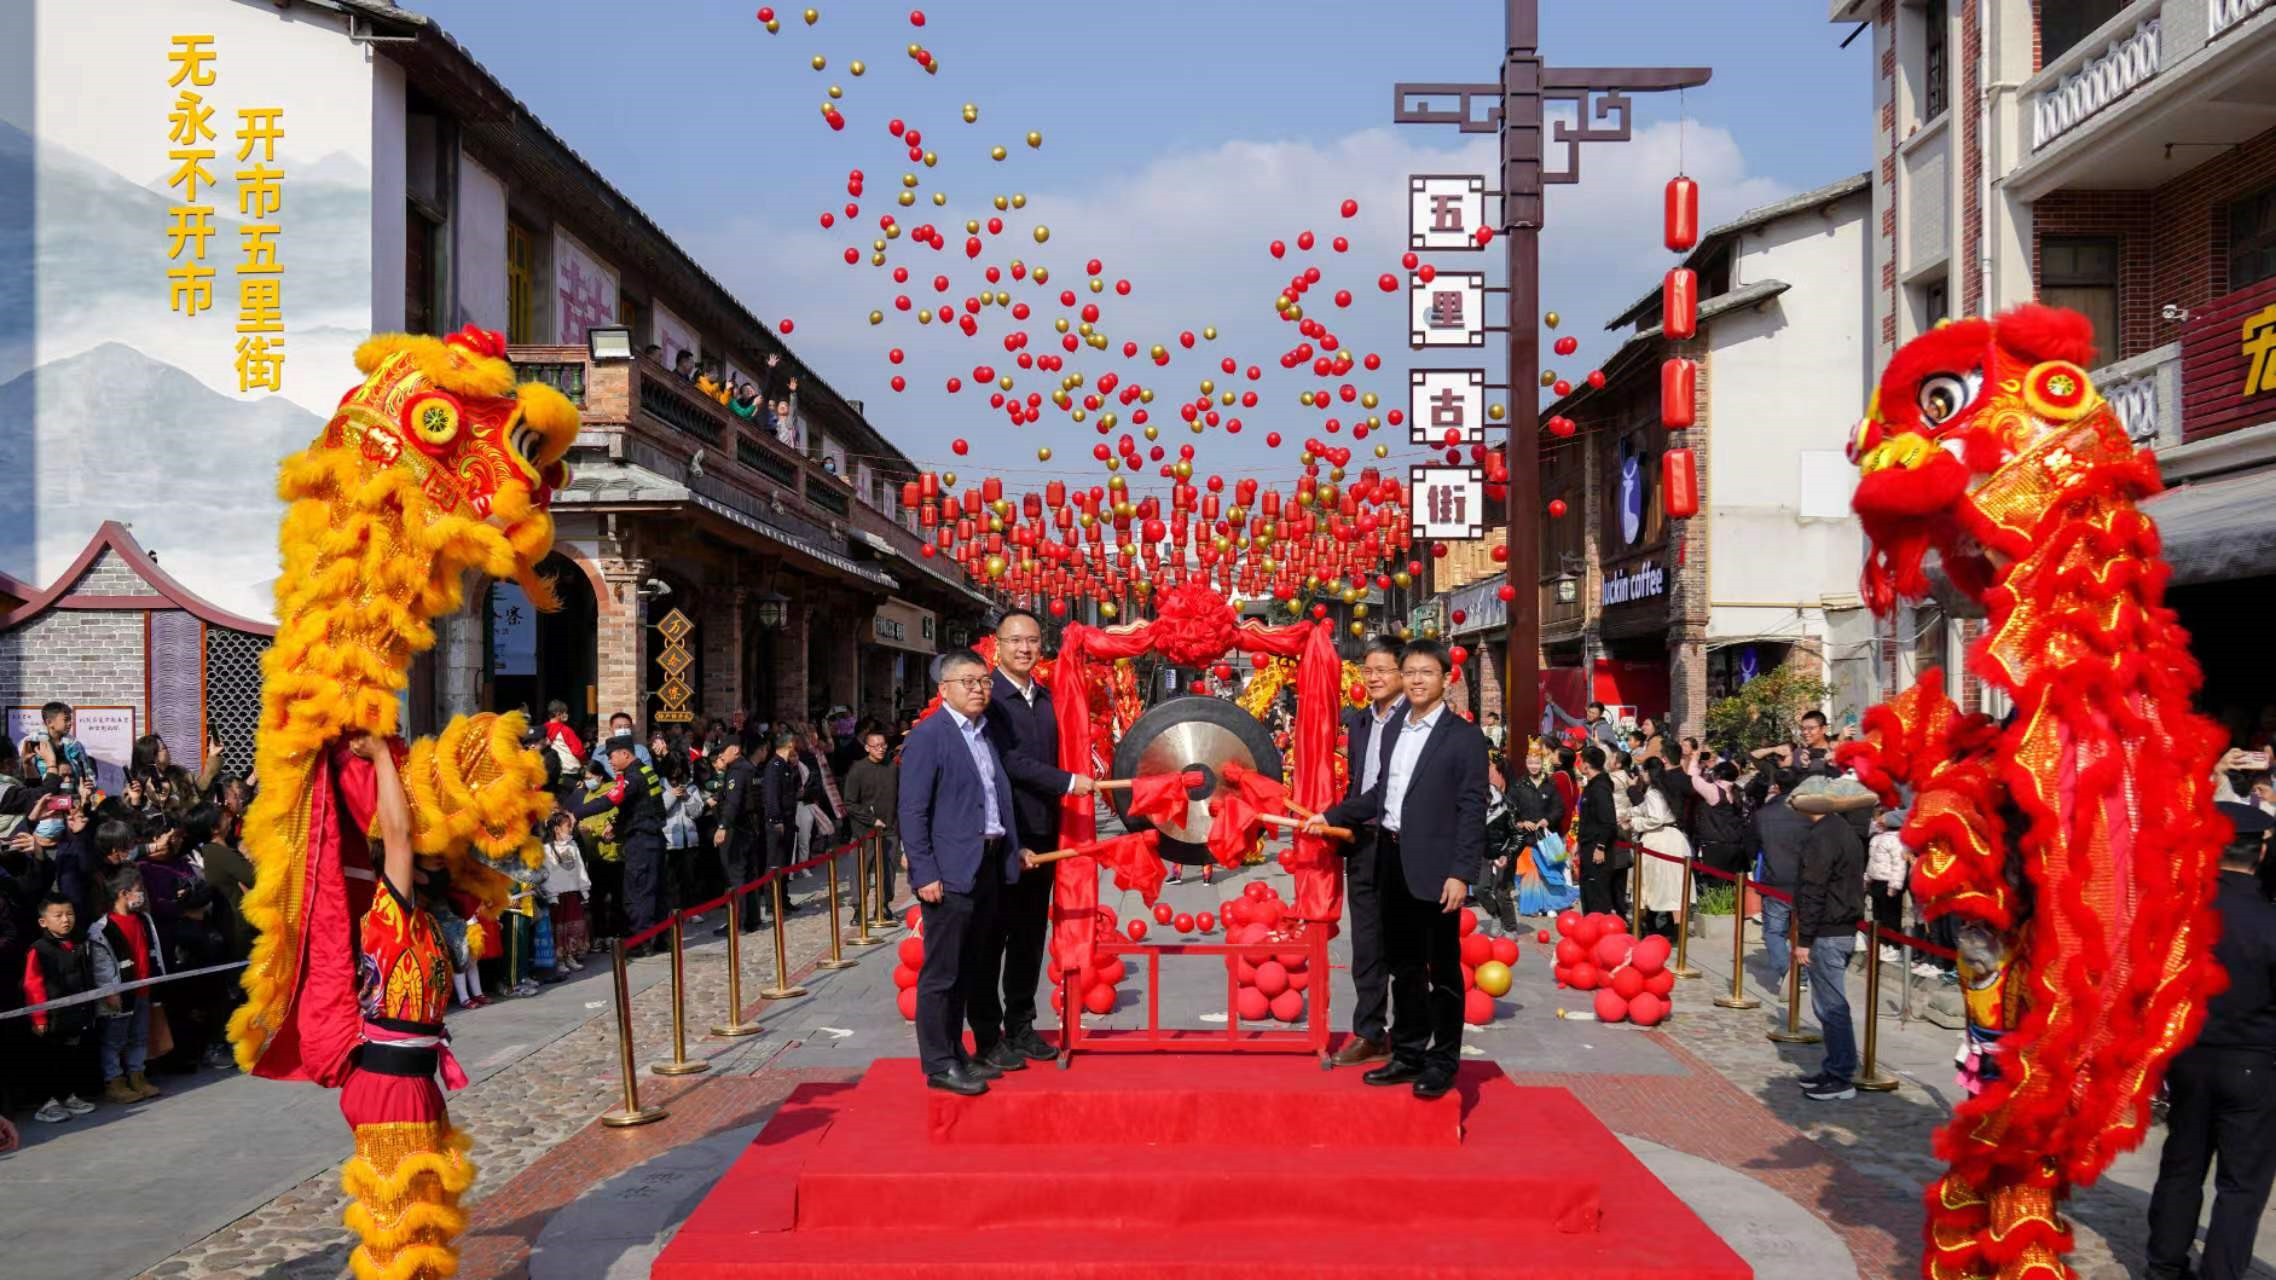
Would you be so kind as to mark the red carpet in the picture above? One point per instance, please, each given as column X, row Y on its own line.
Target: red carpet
column 1148, row 1165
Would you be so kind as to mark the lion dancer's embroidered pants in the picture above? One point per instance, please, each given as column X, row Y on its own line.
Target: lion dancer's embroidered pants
column 410, row 1166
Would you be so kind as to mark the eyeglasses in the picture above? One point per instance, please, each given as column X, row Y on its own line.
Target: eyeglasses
column 969, row 682
column 1021, row 642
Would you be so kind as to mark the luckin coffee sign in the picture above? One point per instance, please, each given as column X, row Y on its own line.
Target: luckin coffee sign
column 1642, row 582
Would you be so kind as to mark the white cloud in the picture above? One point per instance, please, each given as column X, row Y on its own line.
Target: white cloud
column 1190, row 232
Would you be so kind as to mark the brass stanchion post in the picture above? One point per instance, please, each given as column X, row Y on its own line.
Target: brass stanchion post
column 1636, row 855
column 631, row 1113
column 1792, row 1032
column 861, row 883
column 884, row 895
column 1738, row 997
column 837, row 958
column 735, row 1027
column 781, row 990
column 1870, row 1077
column 679, row 1065
column 1682, row 966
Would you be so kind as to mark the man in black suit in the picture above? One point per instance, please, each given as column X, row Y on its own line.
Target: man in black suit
column 1368, row 732
column 1599, row 831
column 1429, row 807
column 740, row 838
column 961, row 834
column 1024, row 728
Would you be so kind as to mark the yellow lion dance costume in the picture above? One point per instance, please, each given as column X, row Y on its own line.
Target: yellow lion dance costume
column 436, row 465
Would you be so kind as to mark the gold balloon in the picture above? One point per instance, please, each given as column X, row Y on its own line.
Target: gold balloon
column 1145, row 395
column 916, row 49
column 1495, row 412
column 1225, row 397
column 908, row 180
column 1183, row 469
column 1085, row 329
column 1210, row 333
column 1208, row 386
column 1042, row 274
column 877, row 259
column 1019, row 201
column 774, row 25
column 907, row 198
column 998, row 153
column 1001, row 203
column 1034, row 139
column 812, row 17
column 1078, row 415
column 1403, row 578
column 1098, row 286
column 971, row 226
column 837, row 92
column 1153, row 432
column 878, row 245
column 1044, row 454
column 1359, row 611
column 1106, row 609
column 1295, row 312
column 1550, row 319
column 1157, row 352
column 1114, row 464
column 1367, row 400
column 940, row 197
column 994, row 566
column 820, row 62
column 1005, row 382
column 1060, row 324
column 931, row 159
column 1382, row 452
column 1335, row 474
column 877, row 317
column 1107, row 420
column 1548, row 377
column 971, row 112
column 1406, row 632
column 1042, row 234
column 1358, row 628
column 856, row 67
column 948, row 478
column 1304, row 398
column 1347, row 595
column 925, row 315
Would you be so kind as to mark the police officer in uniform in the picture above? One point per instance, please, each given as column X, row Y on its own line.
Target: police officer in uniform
column 741, row 834
column 2223, row 1087
column 638, row 799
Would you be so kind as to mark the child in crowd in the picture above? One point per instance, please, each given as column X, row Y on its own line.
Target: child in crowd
column 123, row 943
column 58, row 966
column 461, row 941
column 566, row 884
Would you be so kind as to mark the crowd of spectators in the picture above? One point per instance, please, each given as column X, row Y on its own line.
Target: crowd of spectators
column 740, row 396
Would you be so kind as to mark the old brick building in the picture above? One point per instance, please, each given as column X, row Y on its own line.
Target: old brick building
column 2120, row 159
column 136, row 652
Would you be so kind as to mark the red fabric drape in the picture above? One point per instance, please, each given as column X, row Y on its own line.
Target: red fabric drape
column 1161, row 797
column 1318, row 870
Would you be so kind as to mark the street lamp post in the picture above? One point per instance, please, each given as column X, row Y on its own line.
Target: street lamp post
column 1513, row 108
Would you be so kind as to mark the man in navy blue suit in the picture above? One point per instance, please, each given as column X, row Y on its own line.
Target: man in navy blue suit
column 1368, row 732
column 1024, row 727
column 961, row 836
column 1429, row 807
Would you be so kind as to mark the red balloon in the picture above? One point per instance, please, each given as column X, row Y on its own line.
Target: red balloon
column 1614, row 922
column 1541, row 936
column 1162, row 912
column 1477, row 949
column 1586, row 931
column 1288, row 1006
column 904, row 977
column 1569, row 952
column 1182, row 922
column 1350, row 208
column 1099, row 999
column 1660, row 984
column 785, row 326
column 1477, row 1007
column 906, row 1001
column 1610, row 1007
column 1647, row 1009
column 1272, row 978
column 1567, row 921
column 1278, row 249
column 960, row 446
column 1583, row 976
column 1467, row 922
column 912, row 951
column 1568, row 345
column 916, row 17
column 766, row 13
column 1557, row 507
column 1651, row 955
column 1627, row 983
column 1137, row 930
column 1206, row 922
column 1505, row 950
column 1611, row 951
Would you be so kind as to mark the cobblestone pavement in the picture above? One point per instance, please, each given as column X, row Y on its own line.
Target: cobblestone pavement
column 543, row 1104
column 1708, row 1085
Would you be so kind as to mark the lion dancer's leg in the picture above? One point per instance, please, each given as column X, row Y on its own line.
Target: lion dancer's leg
column 2013, row 1232
column 409, row 1169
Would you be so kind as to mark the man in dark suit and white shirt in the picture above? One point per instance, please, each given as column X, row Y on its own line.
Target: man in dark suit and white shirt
column 1368, row 733
column 961, row 837
column 1024, row 726
column 1429, row 807
column 1598, row 831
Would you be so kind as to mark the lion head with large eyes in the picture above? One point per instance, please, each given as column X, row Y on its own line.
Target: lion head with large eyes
column 1955, row 405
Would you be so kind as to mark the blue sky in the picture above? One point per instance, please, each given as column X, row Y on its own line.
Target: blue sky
column 1179, row 138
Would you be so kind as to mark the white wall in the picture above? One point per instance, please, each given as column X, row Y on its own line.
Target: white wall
column 479, row 220
column 390, row 218
column 1787, row 382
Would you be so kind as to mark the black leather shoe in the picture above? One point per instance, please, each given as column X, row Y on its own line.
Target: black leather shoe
column 1434, row 1084
column 980, row 1068
column 1394, row 1072
column 957, row 1080
column 1005, row 1056
column 1031, row 1045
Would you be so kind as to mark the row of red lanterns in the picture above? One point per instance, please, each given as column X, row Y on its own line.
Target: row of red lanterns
column 1679, row 375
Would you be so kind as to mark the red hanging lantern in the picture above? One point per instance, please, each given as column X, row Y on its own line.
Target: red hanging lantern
column 1679, row 385
column 1679, row 484
column 1682, row 214
column 1679, row 304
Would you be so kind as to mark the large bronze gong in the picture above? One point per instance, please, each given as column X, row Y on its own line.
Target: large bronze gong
column 1191, row 734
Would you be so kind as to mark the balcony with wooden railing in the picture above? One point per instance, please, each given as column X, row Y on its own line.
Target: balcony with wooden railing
column 640, row 412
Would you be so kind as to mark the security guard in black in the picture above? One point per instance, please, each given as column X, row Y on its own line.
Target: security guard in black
column 638, row 800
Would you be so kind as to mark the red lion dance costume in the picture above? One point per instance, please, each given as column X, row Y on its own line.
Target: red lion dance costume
column 436, row 465
column 2075, row 846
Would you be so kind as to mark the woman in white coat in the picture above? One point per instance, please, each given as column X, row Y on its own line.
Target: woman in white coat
column 1653, row 820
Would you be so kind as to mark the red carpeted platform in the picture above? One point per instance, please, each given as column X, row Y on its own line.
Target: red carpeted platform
column 1146, row 1166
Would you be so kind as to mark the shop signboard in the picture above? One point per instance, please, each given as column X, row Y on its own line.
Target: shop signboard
column 2228, row 363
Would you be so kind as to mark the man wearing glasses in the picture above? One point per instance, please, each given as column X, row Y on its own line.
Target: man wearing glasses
column 1025, row 731
column 961, row 836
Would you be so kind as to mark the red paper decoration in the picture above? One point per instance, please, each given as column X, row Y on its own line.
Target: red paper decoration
column 1682, row 214
column 1679, row 390
column 1679, row 304
column 1679, row 484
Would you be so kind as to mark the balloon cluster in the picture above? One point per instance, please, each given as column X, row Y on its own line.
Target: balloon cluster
column 911, row 953
column 1273, row 987
column 1629, row 975
column 1486, row 965
column 1098, row 979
